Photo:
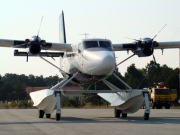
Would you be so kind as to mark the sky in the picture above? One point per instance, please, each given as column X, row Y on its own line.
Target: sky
column 114, row 20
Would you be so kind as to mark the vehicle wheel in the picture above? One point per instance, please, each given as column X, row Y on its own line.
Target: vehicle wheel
column 58, row 116
column 41, row 113
column 146, row 116
column 117, row 113
column 124, row 115
column 167, row 106
column 48, row 115
column 159, row 106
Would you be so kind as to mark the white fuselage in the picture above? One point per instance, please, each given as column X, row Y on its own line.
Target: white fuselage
column 94, row 59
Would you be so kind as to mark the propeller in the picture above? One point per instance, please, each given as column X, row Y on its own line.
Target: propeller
column 151, row 41
column 154, row 43
column 35, row 44
column 158, row 32
column 43, row 42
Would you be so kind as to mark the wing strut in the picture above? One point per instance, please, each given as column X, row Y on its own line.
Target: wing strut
column 125, row 59
column 63, row 72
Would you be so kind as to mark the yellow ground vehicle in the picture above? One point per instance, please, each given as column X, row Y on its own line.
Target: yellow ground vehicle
column 160, row 97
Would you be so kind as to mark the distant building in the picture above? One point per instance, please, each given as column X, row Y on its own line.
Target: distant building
column 32, row 89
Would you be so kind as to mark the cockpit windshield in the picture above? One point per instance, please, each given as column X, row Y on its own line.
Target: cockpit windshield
column 92, row 44
column 105, row 44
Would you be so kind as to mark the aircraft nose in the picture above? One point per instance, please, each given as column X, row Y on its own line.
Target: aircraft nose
column 104, row 63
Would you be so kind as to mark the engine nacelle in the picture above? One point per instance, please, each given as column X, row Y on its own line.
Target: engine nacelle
column 35, row 44
column 143, row 51
column 34, row 48
column 148, row 51
column 144, row 47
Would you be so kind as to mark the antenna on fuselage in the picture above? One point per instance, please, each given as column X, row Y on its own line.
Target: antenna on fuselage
column 85, row 34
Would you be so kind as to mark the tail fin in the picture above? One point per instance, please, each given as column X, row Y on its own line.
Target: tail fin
column 62, row 31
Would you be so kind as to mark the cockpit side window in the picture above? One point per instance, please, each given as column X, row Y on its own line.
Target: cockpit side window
column 79, row 48
column 105, row 44
column 89, row 44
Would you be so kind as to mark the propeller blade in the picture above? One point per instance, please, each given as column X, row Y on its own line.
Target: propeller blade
column 158, row 32
column 40, row 26
column 154, row 59
column 133, row 39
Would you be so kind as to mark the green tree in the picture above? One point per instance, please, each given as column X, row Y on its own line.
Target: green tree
column 173, row 79
column 153, row 73
column 52, row 80
column 134, row 76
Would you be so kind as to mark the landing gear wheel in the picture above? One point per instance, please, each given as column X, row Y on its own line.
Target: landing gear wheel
column 146, row 116
column 48, row 115
column 41, row 113
column 117, row 113
column 124, row 115
column 58, row 116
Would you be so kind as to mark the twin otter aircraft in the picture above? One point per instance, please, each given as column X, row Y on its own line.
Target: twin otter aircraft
column 89, row 61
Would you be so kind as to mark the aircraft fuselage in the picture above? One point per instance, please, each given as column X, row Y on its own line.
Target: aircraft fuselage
column 94, row 59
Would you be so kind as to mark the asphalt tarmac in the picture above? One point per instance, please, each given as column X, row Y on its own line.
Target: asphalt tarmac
column 89, row 122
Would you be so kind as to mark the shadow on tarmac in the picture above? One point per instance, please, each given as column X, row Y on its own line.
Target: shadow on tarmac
column 130, row 119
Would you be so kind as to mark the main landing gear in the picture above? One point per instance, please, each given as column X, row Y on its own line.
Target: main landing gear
column 58, row 105
column 58, row 108
column 57, row 91
column 147, row 110
column 41, row 114
column 118, row 113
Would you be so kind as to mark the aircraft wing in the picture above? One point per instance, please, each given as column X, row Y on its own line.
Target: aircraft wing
column 159, row 45
column 47, row 46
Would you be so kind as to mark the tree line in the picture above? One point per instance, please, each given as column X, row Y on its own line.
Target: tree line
column 13, row 85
